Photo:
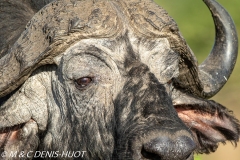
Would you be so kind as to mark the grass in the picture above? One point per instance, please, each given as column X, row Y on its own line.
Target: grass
column 196, row 25
column 197, row 157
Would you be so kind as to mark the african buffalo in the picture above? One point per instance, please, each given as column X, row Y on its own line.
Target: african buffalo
column 109, row 79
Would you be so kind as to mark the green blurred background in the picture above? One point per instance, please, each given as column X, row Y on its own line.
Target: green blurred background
column 196, row 25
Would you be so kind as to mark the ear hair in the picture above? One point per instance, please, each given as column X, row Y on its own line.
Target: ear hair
column 209, row 121
column 25, row 114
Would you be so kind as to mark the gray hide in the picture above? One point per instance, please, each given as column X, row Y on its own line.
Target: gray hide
column 109, row 79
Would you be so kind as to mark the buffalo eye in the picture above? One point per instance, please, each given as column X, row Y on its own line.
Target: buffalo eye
column 83, row 82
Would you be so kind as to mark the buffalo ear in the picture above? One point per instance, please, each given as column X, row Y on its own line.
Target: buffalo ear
column 209, row 121
column 24, row 116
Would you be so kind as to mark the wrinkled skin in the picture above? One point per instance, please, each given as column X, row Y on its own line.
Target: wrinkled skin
column 113, row 97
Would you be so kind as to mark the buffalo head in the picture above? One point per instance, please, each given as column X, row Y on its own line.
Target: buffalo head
column 113, row 79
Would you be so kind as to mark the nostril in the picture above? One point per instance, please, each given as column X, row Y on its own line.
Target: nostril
column 168, row 148
column 149, row 155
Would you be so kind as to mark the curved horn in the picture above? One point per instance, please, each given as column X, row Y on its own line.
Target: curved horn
column 50, row 32
column 25, row 54
column 216, row 69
